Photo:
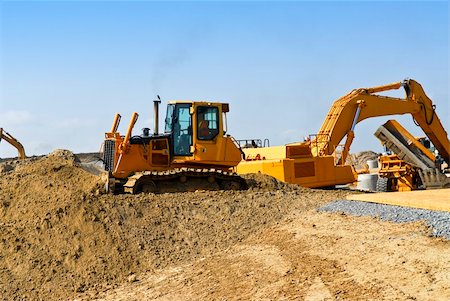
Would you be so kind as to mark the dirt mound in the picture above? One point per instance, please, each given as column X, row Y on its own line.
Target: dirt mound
column 37, row 196
column 265, row 182
column 60, row 237
column 359, row 160
column 65, row 155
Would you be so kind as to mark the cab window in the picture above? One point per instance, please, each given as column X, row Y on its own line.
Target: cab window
column 169, row 119
column 182, row 133
column 207, row 123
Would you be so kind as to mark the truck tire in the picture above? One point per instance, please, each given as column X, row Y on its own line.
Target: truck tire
column 382, row 184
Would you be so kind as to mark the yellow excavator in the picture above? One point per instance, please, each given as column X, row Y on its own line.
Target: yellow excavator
column 14, row 142
column 193, row 153
column 321, row 162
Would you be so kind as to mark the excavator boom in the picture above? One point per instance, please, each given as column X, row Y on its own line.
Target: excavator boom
column 361, row 104
column 14, row 142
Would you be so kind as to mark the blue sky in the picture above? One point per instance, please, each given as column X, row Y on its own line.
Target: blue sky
column 67, row 67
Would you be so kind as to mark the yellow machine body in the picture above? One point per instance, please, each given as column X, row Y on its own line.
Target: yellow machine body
column 182, row 145
column 402, row 169
column 401, row 175
column 321, row 162
column 410, row 139
column 295, row 164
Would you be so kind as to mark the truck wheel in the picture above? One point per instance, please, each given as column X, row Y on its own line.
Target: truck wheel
column 382, row 184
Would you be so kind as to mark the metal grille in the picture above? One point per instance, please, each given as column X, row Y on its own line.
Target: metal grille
column 108, row 155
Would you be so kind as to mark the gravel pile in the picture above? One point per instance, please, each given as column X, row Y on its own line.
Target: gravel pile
column 439, row 221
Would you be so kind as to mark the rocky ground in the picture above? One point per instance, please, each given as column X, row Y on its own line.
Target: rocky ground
column 61, row 238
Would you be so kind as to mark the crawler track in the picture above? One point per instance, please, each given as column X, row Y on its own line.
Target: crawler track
column 182, row 180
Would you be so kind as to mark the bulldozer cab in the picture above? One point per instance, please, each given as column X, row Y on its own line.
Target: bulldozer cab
column 191, row 122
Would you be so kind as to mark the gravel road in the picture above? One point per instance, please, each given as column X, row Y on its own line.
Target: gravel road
column 439, row 221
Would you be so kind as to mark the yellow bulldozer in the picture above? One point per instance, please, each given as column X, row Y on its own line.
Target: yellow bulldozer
column 194, row 152
column 14, row 142
column 321, row 162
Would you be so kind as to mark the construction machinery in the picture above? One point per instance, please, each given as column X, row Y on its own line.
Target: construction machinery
column 413, row 164
column 14, row 142
column 321, row 161
column 193, row 153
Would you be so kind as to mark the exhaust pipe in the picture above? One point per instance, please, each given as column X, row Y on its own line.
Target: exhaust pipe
column 156, row 115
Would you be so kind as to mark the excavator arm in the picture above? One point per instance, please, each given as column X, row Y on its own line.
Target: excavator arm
column 14, row 142
column 363, row 103
column 428, row 120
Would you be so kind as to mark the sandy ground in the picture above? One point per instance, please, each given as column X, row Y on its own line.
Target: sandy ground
column 61, row 239
column 310, row 256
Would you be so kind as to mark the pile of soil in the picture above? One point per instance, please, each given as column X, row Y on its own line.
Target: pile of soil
column 261, row 181
column 62, row 238
column 359, row 160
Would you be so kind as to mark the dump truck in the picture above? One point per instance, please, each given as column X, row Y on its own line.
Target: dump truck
column 14, row 142
column 413, row 164
column 194, row 152
column 321, row 161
